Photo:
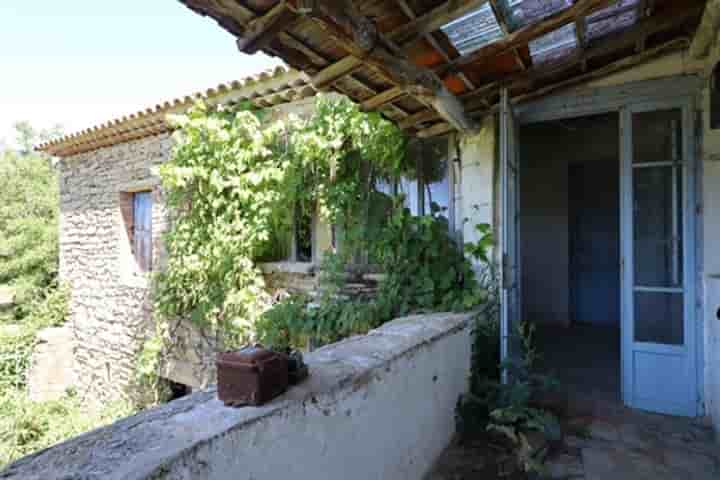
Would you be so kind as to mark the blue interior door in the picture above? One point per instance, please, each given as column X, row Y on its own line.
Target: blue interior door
column 659, row 361
column 595, row 243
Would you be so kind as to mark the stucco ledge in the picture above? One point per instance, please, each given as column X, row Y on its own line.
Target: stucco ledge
column 152, row 444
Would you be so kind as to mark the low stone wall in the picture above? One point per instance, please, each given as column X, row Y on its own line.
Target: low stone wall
column 379, row 406
column 52, row 366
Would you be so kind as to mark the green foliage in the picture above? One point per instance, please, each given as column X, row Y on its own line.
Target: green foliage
column 424, row 269
column 222, row 185
column 18, row 340
column 28, row 224
column 504, row 409
column 28, row 136
column 29, row 202
column 235, row 186
column 26, row 426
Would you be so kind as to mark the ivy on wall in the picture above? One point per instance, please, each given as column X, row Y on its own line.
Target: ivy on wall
column 234, row 187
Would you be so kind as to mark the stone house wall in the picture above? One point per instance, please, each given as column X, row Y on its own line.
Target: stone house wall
column 110, row 312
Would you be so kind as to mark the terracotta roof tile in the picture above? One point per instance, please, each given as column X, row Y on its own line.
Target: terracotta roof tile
column 268, row 88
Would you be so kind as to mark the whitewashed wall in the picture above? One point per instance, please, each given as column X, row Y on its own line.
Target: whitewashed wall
column 379, row 406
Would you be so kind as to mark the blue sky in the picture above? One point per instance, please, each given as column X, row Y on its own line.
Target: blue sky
column 81, row 62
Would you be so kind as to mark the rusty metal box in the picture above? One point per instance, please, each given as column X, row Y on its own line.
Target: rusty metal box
column 251, row 376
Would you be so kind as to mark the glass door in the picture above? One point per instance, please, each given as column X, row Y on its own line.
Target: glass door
column 510, row 313
column 657, row 230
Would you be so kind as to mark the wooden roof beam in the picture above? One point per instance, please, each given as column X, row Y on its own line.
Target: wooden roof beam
column 504, row 26
column 360, row 38
column 707, row 31
column 447, row 12
column 293, row 42
column 383, row 98
column 581, row 36
column 335, row 71
column 434, row 43
column 434, row 20
column 618, row 66
column 645, row 8
column 262, row 30
column 625, row 63
column 647, row 27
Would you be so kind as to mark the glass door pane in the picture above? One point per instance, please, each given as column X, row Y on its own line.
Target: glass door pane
column 657, row 222
column 657, row 199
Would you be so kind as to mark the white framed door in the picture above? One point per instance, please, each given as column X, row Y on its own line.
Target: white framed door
column 510, row 311
column 657, row 172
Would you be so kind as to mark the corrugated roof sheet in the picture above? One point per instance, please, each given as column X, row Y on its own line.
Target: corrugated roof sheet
column 615, row 18
column 554, row 45
column 474, row 30
column 524, row 12
column 269, row 88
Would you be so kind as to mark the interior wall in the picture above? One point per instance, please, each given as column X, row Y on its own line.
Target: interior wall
column 547, row 150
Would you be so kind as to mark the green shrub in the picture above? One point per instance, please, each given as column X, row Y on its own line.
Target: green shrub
column 425, row 271
column 26, row 426
column 18, row 340
column 29, row 202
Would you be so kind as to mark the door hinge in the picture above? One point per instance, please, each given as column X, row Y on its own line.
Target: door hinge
column 699, row 209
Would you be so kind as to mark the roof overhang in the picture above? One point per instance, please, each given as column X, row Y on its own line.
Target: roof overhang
column 267, row 89
column 434, row 66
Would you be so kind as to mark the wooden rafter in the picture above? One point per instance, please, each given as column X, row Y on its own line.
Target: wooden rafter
column 505, row 28
column 419, row 27
column 581, row 36
column 335, row 71
column 618, row 66
column 433, row 20
column 434, row 43
column 370, row 52
column 384, row 98
column 644, row 9
column 707, row 31
column 317, row 58
column 357, row 35
column 261, row 30
column 241, row 11
column 610, row 45
column 624, row 64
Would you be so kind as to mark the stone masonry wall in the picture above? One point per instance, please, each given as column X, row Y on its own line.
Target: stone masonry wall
column 110, row 315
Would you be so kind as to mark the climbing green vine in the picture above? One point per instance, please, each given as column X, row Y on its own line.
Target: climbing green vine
column 235, row 185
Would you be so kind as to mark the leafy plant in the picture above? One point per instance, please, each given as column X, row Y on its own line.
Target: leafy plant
column 234, row 187
column 27, row 426
column 18, row 341
column 424, row 269
column 28, row 226
column 504, row 409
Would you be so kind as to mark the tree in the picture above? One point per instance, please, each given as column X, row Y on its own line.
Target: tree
column 27, row 136
column 29, row 204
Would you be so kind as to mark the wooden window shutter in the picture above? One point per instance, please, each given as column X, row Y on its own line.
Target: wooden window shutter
column 142, row 230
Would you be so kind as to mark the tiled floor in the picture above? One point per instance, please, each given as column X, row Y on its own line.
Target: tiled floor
column 603, row 440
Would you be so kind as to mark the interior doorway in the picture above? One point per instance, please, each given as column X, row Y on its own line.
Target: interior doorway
column 570, row 249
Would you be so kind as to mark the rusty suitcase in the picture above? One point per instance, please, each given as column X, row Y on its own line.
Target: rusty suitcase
column 251, row 376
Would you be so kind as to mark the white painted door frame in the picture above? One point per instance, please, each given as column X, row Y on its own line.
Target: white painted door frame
column 659, row 377
column 510, row 278
column 624, row 99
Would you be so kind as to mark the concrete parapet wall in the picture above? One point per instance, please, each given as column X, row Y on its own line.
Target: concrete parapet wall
column 379, row 406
